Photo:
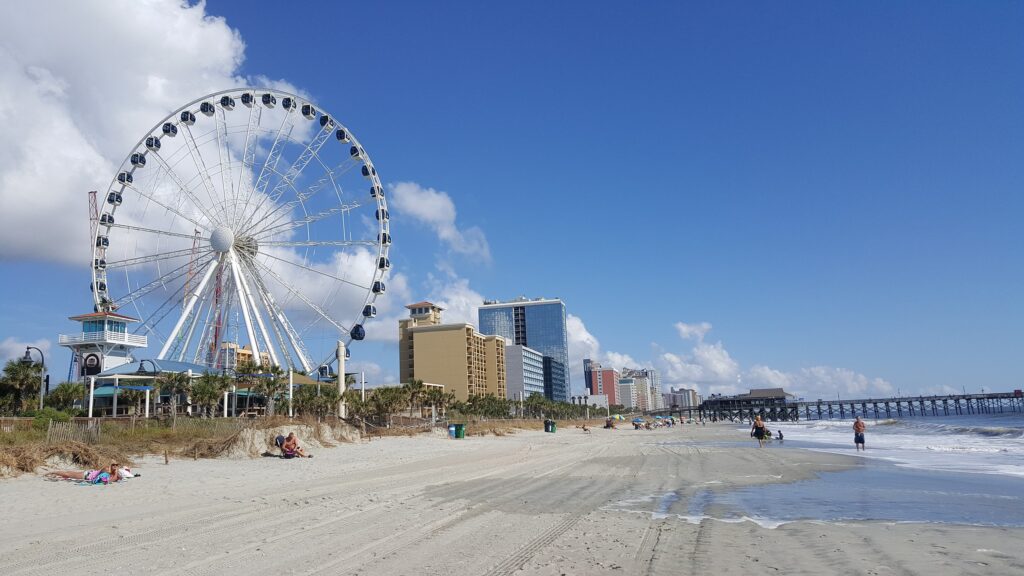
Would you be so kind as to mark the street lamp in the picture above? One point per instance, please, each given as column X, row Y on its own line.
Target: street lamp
column 142, row 369
column 27, row 360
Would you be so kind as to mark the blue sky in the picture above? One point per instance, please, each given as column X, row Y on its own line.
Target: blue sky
column 835, row 189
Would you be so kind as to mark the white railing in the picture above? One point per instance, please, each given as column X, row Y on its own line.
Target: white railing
column 105, row 336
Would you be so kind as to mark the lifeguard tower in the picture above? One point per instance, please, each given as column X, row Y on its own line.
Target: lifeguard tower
column 104, row 343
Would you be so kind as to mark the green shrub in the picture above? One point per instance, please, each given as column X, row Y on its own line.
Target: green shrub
column 41, row 418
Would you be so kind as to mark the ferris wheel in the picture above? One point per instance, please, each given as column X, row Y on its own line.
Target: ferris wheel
column 247, row 217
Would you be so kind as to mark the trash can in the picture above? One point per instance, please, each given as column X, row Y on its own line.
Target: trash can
column 547, row 425
column 460, row 430
column 554, row 427
column 451, row 430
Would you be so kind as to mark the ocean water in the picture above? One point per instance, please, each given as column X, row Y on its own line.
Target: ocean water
column 951, row 469
column 988, row 444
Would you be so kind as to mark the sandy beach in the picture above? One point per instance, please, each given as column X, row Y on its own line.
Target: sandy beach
column 609, row 502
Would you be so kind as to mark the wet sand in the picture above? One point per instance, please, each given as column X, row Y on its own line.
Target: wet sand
column 610, row 502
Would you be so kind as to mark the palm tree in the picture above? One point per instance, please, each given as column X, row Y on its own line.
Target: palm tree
column 413, row 390
column 357, row 407
column 174, row 383
column 436, row 398
column 64, row 395
column 386, row 401
column 270, row 385
column 245, row 375
column 207, row 390
column 23, row 381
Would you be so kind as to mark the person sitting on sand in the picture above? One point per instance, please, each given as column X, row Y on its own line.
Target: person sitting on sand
column 108, row 476
column 290, row 447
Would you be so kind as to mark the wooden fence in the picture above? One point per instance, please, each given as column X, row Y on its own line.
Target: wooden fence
column 84, row 432
column 15, row 424
column 90, row 432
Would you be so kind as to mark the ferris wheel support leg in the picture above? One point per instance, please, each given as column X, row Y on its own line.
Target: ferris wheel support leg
column 259, row 322
column 243, row 300
column 188, row 308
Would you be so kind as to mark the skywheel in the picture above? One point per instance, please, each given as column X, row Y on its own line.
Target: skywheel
column 248, row 219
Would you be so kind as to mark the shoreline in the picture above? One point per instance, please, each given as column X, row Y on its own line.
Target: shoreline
column 530, row 503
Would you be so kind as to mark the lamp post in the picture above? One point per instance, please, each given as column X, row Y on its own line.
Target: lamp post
column 586, row 401
column 27, row 360
column 141, row 371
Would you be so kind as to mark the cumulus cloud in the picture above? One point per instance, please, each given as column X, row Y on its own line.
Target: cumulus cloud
column 435, row 209
column 583, row 344
column 693, row 331
column 709, row 368
column 75, row 95
column 375, row 374
column 821, row 382
column 11, row 348
column 459, row 300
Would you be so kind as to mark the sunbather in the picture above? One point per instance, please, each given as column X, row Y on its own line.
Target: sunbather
column 107, row 476
column 290, row 447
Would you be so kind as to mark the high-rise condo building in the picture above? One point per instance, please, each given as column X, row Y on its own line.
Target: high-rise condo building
column 627, row 391
column 556, row 380
column 537, row 323
column 601, row 380
column 648, row 385
column 524, row 372
column 466, row 362
column 681, row 397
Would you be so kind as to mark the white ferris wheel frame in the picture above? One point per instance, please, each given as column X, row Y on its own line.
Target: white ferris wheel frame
column 224, row 223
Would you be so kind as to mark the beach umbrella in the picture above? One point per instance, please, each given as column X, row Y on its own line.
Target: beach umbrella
column 638, row 420
column 658, row 417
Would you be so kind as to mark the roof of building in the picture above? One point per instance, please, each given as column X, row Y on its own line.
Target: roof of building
column 423, row 304
column 162, row 366
column 766, row 393
column 94, row 315
column 521, row 301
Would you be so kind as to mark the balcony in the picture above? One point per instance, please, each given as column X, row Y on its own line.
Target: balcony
column 105, row 337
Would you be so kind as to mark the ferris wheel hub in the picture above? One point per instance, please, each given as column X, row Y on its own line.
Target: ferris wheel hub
column 222, row 239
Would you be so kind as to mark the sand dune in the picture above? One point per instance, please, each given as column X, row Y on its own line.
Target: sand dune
column 610, row 502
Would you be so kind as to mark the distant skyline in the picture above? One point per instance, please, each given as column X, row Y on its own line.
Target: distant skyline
column 821, row 196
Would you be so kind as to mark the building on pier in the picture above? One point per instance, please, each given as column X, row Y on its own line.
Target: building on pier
column 769, row 403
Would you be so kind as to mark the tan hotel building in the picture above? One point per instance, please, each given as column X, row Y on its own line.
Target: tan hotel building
column 455, row 355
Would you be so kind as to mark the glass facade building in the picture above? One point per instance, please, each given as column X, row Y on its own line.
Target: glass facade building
column 556, row 380
column 537, row 323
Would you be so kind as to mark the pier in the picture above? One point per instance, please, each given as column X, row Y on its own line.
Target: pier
column 871, row 408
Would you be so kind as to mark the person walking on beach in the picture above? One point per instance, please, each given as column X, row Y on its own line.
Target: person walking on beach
column 759, row 431
column 858, row 434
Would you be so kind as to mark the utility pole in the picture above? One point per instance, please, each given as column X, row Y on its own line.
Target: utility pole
column 342, row 412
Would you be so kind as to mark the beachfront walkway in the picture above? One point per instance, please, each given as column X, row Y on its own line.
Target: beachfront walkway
column 610, row 502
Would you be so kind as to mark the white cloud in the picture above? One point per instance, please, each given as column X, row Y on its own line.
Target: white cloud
column 821, row 382
column 707, row 364
column 583, row 344
column 436, row 209
column 693, row 331
column 11, row 349
column 77, row 92
column 459, row 300
column 711, row 370
column 375, row 373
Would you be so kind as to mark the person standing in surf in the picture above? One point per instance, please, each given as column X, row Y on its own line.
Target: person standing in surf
column 858, row 434
column 758, row 430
